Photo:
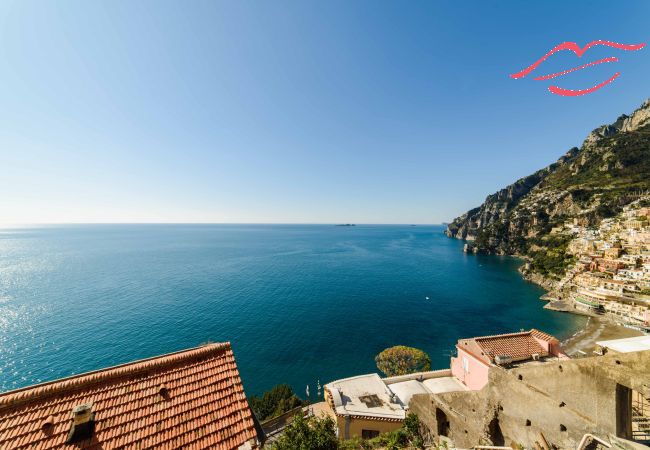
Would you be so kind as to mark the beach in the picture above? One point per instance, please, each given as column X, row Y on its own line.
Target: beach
column 596, row 329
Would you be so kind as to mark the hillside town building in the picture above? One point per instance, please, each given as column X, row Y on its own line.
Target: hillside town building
column 611, row 275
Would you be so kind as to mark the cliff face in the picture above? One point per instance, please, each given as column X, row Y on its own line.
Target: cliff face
column 609, row 170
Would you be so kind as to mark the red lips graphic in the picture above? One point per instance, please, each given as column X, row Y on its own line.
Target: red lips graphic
column 575, row 48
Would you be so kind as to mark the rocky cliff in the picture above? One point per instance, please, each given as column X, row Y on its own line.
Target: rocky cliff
column 585, row 185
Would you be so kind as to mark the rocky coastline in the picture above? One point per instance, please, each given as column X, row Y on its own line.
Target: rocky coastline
column 583, row 187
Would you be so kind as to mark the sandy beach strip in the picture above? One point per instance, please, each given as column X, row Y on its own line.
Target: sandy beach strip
column 596, row 329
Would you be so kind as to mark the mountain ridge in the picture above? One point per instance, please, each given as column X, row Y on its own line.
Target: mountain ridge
column 587, row 184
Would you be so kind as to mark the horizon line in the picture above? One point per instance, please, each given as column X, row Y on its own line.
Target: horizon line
column 35, row 224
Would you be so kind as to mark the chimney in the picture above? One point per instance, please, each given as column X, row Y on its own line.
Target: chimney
column 83, row 423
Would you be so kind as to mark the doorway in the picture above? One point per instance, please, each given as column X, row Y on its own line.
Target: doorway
column 443, row 423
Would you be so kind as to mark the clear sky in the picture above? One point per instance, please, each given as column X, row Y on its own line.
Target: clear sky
column 293, row 111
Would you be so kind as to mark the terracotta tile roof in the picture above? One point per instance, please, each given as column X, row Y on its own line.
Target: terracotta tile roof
column 518, row 346
column 543, row 336
column 202, row 405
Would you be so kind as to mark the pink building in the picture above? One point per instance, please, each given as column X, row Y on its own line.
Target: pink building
column 478, row 355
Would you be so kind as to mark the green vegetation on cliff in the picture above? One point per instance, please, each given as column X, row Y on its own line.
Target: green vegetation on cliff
column 549, row 255
column 587, row 184
column 278, row 400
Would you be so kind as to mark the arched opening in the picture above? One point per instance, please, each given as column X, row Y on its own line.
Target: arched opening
column 443, row 422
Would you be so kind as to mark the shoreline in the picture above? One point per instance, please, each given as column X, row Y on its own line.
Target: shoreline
column 597, row 328
column 583, row 340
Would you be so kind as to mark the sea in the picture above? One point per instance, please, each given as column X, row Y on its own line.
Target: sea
column 300, row 304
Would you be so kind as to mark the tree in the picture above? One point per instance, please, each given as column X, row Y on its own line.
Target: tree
column 402, row 360
column 278, row 400
column 308, row 434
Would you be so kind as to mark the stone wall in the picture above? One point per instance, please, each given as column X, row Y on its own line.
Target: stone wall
column 561, row 399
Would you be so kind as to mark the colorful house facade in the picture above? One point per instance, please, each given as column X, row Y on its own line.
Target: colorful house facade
column 477, row 355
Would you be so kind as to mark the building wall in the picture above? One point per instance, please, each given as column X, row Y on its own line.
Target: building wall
column 356, row 426
column 612, row 253
column 554, row 348
column 349, row 427
column 563, row 400
column 417, row 376
column 470, row 370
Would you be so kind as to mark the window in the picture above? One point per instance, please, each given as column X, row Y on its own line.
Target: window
column 465, row 364
column 369, row 434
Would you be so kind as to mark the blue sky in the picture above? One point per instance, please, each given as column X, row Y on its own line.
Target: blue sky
column 293, row 111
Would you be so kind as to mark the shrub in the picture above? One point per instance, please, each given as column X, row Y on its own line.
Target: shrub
column 308, row 434
column 402, row 360
column 277, row 401
column 394, row 440
column 413, row 430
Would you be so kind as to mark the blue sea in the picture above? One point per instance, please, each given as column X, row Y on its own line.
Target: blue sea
column 299, row 303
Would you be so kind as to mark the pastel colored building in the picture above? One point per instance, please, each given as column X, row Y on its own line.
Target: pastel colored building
column 609, row 265
column 476, row 356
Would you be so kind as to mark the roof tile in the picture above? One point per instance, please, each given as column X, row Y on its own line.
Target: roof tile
column 129, row 412
column 518, row 346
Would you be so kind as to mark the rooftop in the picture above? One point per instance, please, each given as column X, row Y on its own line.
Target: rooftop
column 517, row 346
column 444, row 384
column 387, row 398
column 365, row 395
column 627, row 345
column 407, row 389
column 189, row 399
